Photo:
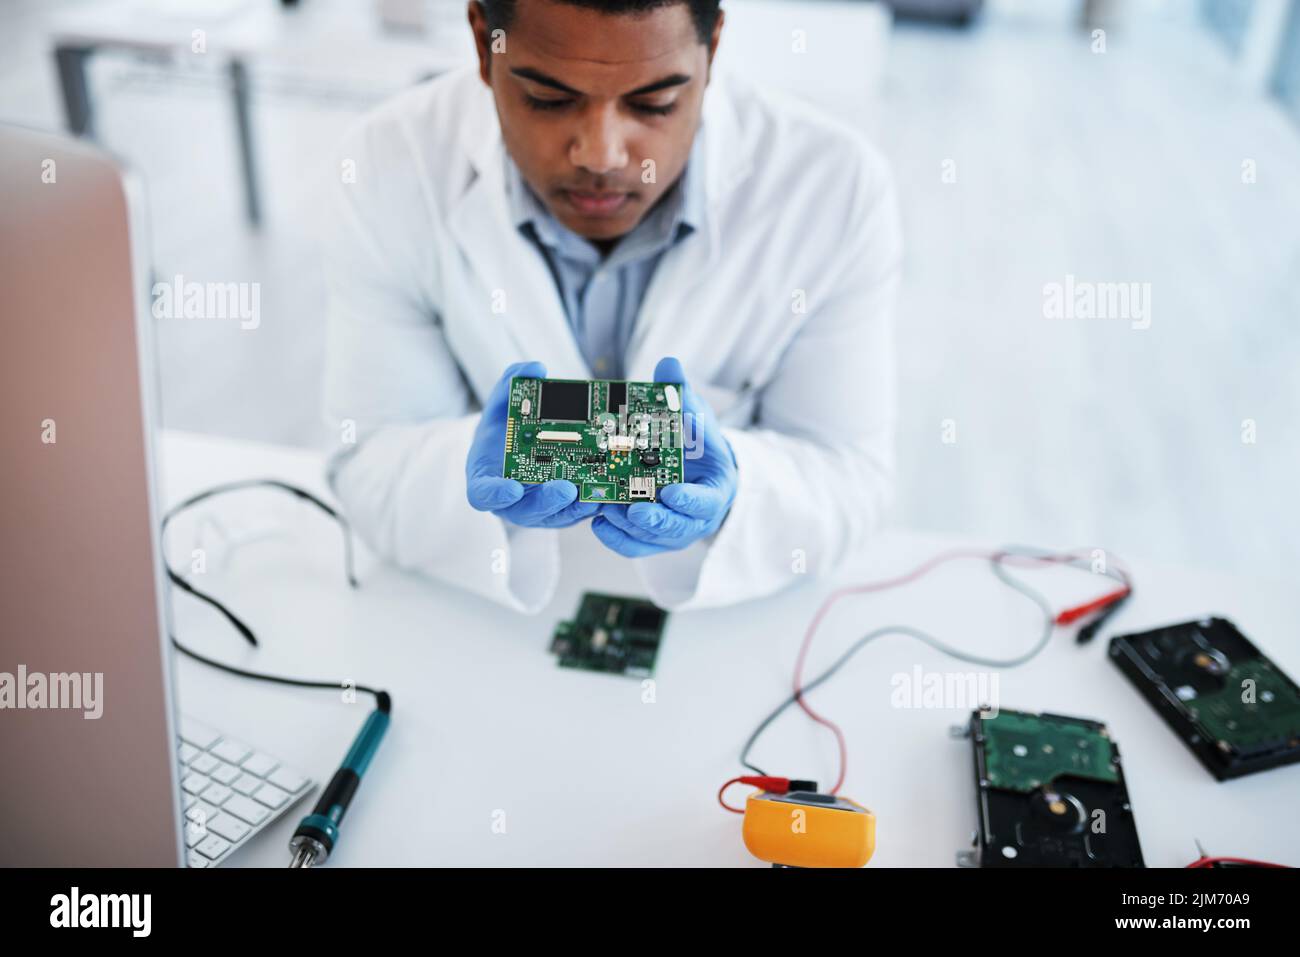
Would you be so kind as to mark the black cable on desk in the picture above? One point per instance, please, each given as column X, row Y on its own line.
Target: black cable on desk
column 997, row 565
column 382, row 698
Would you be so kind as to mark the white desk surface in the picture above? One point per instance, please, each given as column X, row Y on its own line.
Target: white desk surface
column 485, row 722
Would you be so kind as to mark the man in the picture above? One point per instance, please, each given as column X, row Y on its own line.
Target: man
column 587, row 202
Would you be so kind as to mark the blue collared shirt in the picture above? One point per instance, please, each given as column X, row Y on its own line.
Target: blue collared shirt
column 602, row 295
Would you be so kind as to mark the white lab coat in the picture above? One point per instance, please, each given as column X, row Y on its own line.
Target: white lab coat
column 779, row 312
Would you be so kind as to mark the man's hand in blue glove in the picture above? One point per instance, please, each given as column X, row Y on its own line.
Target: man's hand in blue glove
column 551, row 504
column 684, row 512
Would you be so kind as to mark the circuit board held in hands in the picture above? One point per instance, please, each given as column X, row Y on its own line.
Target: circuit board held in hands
column 618, row 442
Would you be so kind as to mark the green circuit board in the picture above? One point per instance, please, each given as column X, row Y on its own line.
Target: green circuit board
column 611, row 633
column 1269, row 720
column 1024, row 750
column 1229, row 702
column 618, row 442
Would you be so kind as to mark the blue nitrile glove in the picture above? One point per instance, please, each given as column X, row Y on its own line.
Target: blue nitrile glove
column 551, row 504
column 686, row 511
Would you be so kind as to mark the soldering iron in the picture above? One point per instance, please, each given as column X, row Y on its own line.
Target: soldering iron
column 318, row 832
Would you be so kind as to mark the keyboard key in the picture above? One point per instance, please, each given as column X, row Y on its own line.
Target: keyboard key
column 198, row 734
column 213, row 846
column 204, row 764
column 230, row 791
column 290, row 781
column 225, row 773
column 260, row 764
column 216, row 793
column 246, row 810
column 231, row 750
column 231, row 828
column 271, row 796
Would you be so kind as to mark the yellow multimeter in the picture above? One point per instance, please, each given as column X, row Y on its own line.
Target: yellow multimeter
column 808, row 829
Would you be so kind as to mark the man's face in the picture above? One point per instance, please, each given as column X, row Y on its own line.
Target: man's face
column 597, row 110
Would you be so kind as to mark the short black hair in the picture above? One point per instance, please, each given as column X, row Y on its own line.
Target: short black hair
column 704, row 13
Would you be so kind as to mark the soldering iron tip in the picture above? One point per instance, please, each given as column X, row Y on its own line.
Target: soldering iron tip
column 303, row 857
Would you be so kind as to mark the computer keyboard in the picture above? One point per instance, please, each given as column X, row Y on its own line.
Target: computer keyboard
column 230, row 792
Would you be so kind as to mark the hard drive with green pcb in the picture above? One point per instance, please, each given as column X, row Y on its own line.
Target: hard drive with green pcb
column 618, row 442
column 612, row 634
column 1235, row 708
column 1051, row 793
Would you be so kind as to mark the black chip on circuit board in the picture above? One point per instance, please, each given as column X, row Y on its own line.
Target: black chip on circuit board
column 617, row 397
column 564, row 401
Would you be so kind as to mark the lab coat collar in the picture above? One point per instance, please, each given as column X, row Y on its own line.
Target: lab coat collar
column 520, row 280
column 680, row 212
column 664, row 324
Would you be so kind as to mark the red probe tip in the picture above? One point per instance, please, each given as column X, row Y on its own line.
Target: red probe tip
column 1069, row 615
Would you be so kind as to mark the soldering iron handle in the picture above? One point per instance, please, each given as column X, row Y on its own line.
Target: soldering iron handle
column 336, row 797
column 320, row 828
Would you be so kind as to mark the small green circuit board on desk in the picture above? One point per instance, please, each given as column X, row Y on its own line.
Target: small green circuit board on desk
column 611, row 634
column 618, row 442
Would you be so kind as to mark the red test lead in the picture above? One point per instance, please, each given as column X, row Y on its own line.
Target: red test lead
column 1071, row 615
